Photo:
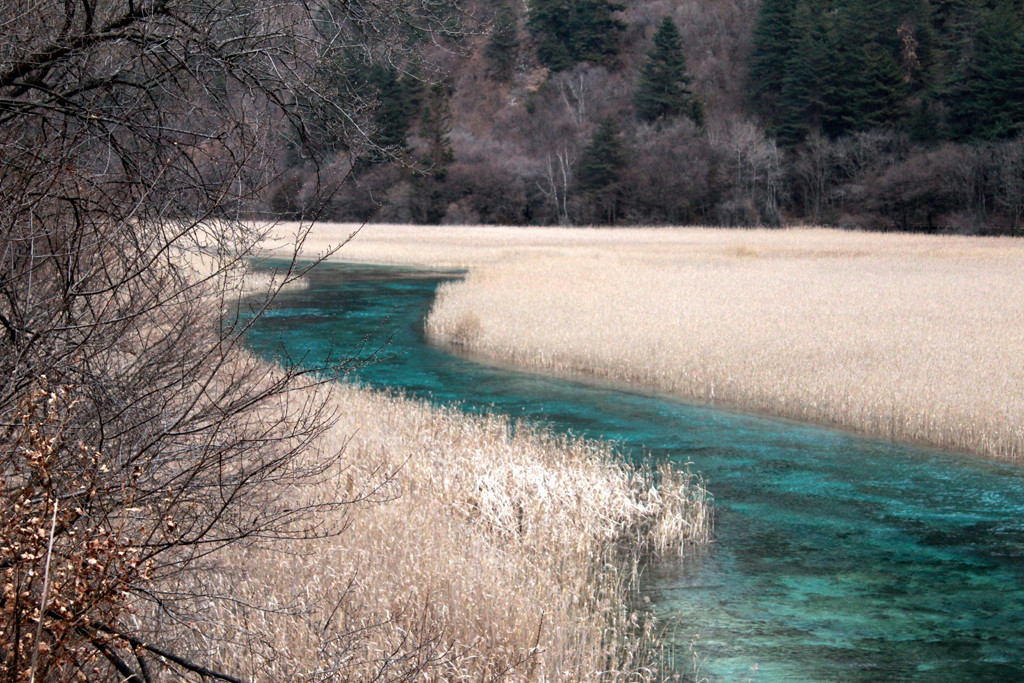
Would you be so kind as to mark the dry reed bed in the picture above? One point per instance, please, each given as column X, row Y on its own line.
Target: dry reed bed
column 909, row 337
column 478, row 548
column 496, row 550
column 473, row 548
column 913, row 338
column 235, row 279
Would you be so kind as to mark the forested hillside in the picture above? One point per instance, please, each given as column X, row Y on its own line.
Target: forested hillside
column 884, row 114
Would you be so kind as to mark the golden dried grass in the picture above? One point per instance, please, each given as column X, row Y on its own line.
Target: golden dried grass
column 918, row 340
column 472, row 548
column 234, row 278
column 909, row 337
column 477, row 547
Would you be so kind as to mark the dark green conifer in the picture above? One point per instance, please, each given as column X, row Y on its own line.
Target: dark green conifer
column 877, row 87
column 597, row 32
column 435, row 126
column 987, row 101
column 396, row 105
column 664, row 87
column 773, row 43
column 841, row 66
column 601, row 170
column 837, row 81
column 572, row 31
column 919, row 50
column 502, row 48
column 345, row 74
column 551, row 26
column 806, row 100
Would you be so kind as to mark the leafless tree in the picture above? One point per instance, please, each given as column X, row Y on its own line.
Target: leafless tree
column 754, row 163
column 137, row 136
column 557, row 179
column 1011, row 191
column 585, row 90
column 671, row 167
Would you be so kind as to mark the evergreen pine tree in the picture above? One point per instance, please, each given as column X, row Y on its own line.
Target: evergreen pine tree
column 919, row 50
column 869, row 84
column 431, row 193
column 600, row 171
column 664, row 87
column 806, row 99
column 346, row 74
column 877, row 96
column 987, row 102
column 597, row 34
column 396, row 105
column 502, row 48
column 551, row 24
column 573, row 31
column 836, row 80
column 435, row 125
column 773, row 43
column 849, row 65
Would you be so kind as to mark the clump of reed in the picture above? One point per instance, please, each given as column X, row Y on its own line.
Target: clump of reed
column 913, row 338
column 236, row 277
column 473, row 547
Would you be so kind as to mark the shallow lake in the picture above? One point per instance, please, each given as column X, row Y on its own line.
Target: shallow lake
column 836, row 558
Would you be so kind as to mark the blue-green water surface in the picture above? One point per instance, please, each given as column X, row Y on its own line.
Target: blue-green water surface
column 836, row 558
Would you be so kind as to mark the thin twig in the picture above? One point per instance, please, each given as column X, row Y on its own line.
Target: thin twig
column 46, row 590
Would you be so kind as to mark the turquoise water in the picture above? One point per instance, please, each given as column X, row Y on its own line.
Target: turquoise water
column 836, row 558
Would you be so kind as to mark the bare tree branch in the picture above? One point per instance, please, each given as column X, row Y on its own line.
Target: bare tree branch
column 137, row 142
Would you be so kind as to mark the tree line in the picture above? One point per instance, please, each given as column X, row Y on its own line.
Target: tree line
column 886, row 114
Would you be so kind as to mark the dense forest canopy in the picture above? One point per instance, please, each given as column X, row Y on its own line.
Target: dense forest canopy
column 942, row 71
column 885, row 114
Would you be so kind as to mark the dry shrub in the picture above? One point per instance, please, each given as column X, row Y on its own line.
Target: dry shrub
column 63, row 572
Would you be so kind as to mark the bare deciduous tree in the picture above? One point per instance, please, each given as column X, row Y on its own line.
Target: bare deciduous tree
column 1011, row 193
column 137, row 137
column 556, row 181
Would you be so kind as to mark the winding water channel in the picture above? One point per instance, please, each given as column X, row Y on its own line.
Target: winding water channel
column 836, row 558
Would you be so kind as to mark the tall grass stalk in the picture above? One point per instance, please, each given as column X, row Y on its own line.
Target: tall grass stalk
column 476, row 548
column 917, row 339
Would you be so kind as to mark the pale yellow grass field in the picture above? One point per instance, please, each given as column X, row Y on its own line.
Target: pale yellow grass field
column 915, row 338
column 484, row 551
column 473, row 549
